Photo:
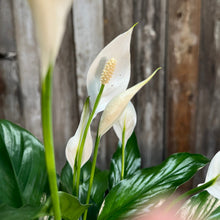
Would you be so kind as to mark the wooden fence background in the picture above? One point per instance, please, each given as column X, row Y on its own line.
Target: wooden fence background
column 179, row 110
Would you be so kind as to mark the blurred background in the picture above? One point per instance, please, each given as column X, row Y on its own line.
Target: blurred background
column 179, row 110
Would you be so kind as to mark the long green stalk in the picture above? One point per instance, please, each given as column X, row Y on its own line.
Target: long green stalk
column 123, row 154
column 46, row 112
column 79, row 159
column 92, row 172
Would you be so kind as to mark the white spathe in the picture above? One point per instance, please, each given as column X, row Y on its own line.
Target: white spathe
column 117, row 105
column 213, row 172
column 128, row 120
column 119, row 49
column 50, row 20
column 73, row 143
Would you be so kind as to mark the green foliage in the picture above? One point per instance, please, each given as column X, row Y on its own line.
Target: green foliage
column 140, row 190
column 100, row 185
column 71, row 208
column 199, row 206
column 23, row 174
column 25, row 212
column 132, row 161
column 215, row 215
column 23, row 182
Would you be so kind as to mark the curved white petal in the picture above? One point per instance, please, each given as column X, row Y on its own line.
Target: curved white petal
column 49, row 18
column 213, row 172
column 119, row 49
column 117, row 105
column 73, row 143
column 71, row 149
column 128, row 119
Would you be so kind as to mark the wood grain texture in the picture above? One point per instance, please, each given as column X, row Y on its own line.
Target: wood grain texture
column 208, row 107
column 118, row 18
column 10, row 94
column 7, row 40
column 88, row 35
column 11, row 107
column 65, row 102
column 182, row 74
column 28, row 66
column 149, row 51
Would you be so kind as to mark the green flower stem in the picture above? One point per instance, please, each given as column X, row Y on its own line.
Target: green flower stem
column 74, row 178
column 79, row 159
column 191, row 192
column 92, row 172
column 46, row 111
column 123, row 154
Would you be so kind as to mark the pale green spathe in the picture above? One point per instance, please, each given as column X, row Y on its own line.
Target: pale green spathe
column 73, row 143
column 117, row 105
column 128, row 120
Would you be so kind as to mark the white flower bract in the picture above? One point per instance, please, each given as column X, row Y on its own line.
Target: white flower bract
column 128, row 119
column 73, row 143
column 119, row 49
column 213, row 172
column 117, row 105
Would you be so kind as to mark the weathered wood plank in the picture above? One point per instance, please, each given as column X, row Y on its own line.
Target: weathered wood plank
column 182, row 79
column 10, row 97
column 65, row 103
column 117, row 19
column 7, row 40
column 208, row 111
column 208, row 107
column 88, row 35
column 148, row 48
column 28, row 65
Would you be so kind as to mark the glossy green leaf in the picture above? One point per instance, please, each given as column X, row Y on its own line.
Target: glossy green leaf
column 100, row 182
column 25, row 212
column 22, row 166
column 215, row 215
column 199, row 206
column 71, row 208
column 66, row 179
column 141, row 190
column 132, row 161
column 100, row 185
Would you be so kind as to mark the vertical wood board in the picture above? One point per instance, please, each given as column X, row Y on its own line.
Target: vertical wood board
column 65, row 102
column 182, row 69
column 28, row 65
column 149, row 50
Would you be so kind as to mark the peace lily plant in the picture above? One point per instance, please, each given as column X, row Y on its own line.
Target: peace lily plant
column 30, row 188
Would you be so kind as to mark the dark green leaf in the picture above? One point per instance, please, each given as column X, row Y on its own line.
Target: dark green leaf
column 132, row 161
column 25, row 212
column 22, row 166
column 199, row 206
column 66, row 179
column 71, row 209
column 100, row 185
column 132, row 194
